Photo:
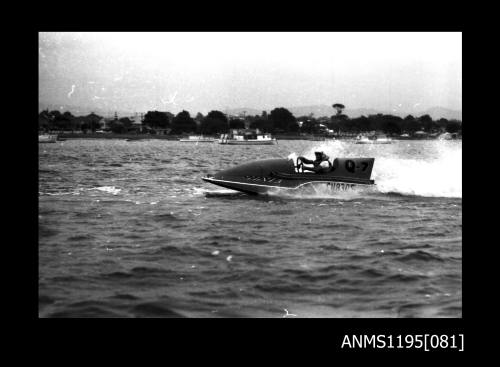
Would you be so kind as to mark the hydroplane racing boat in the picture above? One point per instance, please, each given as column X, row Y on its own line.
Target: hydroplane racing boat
column 273, row 175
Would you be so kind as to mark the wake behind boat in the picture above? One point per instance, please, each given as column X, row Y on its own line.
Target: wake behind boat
column 271, row 175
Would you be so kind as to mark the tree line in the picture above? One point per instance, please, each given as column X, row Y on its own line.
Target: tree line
column 278, row 121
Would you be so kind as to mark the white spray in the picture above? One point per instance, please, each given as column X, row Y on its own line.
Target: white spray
column 438, row 176
column 420, row 168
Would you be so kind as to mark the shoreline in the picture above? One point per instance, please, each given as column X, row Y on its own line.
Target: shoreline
column 177, row 137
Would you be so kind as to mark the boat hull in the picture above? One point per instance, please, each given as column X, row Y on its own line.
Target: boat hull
column 47, row 138
column 285, row 186
column 248, row 142
column 197, row 141
column 374, row 142
column 283, row 175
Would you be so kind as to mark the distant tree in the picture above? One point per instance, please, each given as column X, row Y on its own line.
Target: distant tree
column 62, row 121
column 453, row 126
column 44, row 120
column 55, row 114
column 411, row 124
column 126, row 121
column 183, row 122
column 361, row 124
column 84, row 126
column 293, row 127
column 117, row 127
column 339, row 107
column 391, row 124
column 425, row 118
column 442, row 123
column 340, row 122
column 392, row 127
column 427, row 123
column 213, row 126
column 94, row 121
column 339, row 119
column 76, row 122
column 386, row 123
column 214, row 122
column 236, row 124
column 217, row 115
column 307, row 125
column 333, row 125
column 310, row 126
column 199, row 117
column 68, row 115
column 264, row 125
column 156, row 119
column 283, row 120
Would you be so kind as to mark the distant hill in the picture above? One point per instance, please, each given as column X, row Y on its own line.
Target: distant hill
column 440, row 112
column 83, row 110
column 324, row 110
column 318, row 111
column 243, row 110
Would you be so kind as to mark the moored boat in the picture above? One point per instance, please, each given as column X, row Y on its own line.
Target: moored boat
column 382, row 139
column 448, row 136
column 247, row 137
column 197, row 139
column 47, row 138
column 377, row 139
column 363, row 140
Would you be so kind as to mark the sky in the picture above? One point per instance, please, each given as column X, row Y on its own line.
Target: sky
column 203, row 71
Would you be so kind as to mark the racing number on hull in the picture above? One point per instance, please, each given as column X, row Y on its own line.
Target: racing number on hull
column 340, row 186
column 350, row 166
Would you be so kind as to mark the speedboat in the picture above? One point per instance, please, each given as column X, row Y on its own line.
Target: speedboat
column 277, row 175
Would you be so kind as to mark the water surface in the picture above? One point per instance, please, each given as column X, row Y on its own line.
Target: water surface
column 128, row 229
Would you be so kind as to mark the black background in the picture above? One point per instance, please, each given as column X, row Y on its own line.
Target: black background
column 232, row 341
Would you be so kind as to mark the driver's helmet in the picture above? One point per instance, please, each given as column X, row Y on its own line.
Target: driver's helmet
column 321, row 155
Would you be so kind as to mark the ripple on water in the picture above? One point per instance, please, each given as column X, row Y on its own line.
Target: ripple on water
column 419, row 256
column 154, row 309
column 107, row 251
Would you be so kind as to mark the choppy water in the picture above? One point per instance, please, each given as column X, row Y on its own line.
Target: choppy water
column 128, row 229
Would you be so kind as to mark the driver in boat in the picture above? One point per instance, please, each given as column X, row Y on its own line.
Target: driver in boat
column 321, row 164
